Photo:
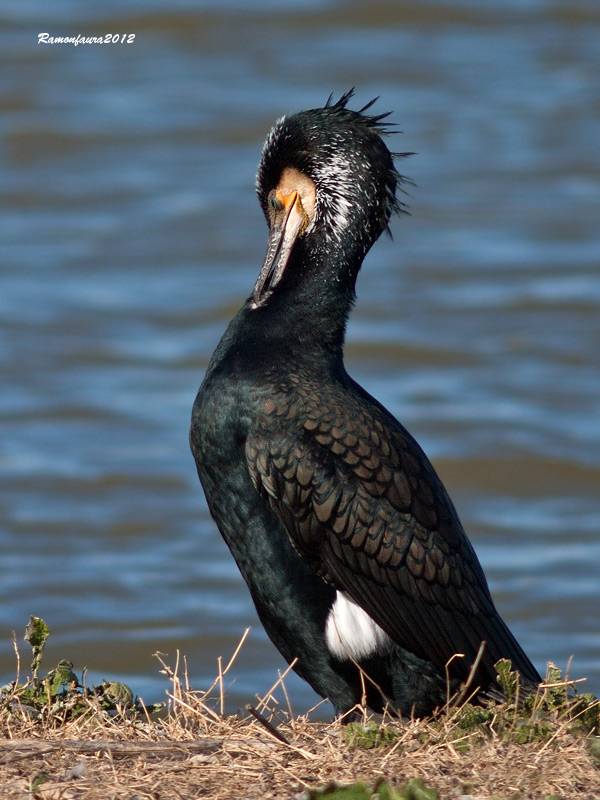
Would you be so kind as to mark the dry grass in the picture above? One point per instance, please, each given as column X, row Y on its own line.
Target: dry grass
column 194, row 751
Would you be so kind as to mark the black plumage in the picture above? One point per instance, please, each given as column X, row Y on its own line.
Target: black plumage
column 322, row 496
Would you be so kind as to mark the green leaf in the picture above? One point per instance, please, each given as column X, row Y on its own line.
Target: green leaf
column 36, row 634
column 417, row 789
column 61, row 677
column 368, row 736
column 333, row 791
column 508, row 679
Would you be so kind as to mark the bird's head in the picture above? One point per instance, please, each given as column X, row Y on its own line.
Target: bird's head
column 327, row 185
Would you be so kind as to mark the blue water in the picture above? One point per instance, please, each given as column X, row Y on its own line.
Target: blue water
column 130, row 234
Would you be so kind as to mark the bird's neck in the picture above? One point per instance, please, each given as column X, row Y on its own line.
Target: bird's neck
column 305, row 322
column 312, row 302
column 301, row 325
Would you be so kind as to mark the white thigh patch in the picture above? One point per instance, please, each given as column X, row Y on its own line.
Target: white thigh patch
column 350, row 631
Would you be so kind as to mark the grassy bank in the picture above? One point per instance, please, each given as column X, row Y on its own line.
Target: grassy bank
column 60, row 740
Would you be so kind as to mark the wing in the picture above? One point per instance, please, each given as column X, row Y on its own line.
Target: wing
column 365, row 508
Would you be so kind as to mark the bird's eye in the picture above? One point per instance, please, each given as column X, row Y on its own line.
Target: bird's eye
column 274, row 201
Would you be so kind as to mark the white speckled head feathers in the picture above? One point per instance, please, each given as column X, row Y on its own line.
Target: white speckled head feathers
column 343, row 152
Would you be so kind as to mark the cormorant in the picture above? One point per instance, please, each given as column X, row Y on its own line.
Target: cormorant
column 350, row 545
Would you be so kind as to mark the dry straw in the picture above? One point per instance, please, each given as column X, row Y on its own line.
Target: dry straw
column 548, row 749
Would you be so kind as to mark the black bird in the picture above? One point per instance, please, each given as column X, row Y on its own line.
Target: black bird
column 353, row 551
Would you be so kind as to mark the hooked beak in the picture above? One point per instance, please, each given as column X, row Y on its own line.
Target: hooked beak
column 287, row 220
